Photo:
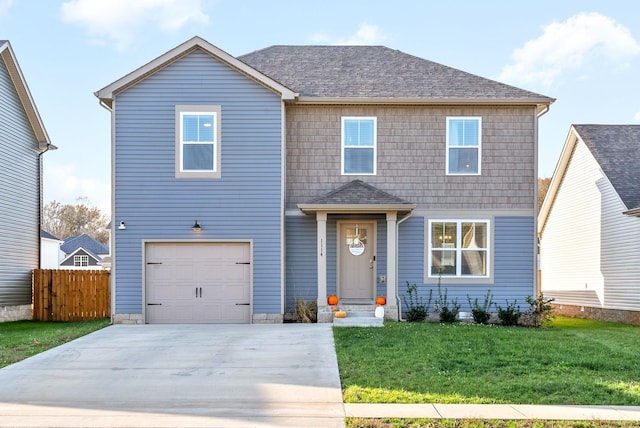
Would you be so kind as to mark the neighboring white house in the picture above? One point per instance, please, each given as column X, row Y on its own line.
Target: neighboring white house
column 589, row 225
column 50, row 253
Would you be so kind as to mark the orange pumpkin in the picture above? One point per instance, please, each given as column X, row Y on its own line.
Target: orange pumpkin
column 381, row 300
column 332, row 300
column 341, row 314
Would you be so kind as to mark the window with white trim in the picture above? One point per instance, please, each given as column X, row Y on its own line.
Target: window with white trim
column 198, row 141
column 81, row 261
column 459, row 248
column 464, row 142
column 359, row 135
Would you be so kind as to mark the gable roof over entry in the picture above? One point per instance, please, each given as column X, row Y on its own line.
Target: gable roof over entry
column 357, row 196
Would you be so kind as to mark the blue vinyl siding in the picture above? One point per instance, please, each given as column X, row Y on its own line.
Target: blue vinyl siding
column 513, row 260
column 19, row 197
column 245, row 203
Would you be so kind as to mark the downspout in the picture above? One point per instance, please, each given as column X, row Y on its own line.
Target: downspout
column 40, row 199
column 399, row 303
column 536, row 276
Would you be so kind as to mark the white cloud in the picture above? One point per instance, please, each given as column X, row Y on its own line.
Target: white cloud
column 571, row 45
column 62, row 183
column 4, row 6
column 122, row 20
column 366, row 34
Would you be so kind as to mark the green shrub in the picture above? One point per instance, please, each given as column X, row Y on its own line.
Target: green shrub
column 481, row 312
column 541, row 311
column 417, row 310
column 509, row 315
column 449, row 310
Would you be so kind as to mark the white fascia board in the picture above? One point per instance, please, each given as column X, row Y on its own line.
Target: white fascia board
column 106, row 94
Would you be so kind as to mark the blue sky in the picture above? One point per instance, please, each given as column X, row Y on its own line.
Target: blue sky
column 584, row 53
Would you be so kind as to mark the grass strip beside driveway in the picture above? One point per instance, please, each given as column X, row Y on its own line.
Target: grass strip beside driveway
column 22, row 339
column 571, row 362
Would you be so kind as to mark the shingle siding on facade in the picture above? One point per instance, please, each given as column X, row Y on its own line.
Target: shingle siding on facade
column 411, row 155
column 243, row 204
column 19, row 197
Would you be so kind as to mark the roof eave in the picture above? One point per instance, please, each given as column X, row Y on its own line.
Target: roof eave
column 106, row 94
column 356, row 208
column 541, row 103
column 20, row 84
column 635, row 212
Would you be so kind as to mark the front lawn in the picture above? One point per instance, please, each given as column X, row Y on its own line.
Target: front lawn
column 22, row 339
column 571, row 362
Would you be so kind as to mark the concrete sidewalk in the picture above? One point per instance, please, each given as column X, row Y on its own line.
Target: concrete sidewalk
column 493, row 411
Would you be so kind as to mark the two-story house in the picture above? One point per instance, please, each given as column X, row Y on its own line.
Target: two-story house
column 23, row 140
column 242, row 184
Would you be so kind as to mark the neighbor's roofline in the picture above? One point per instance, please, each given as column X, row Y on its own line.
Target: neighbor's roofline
column 20, row 84
column 107, row 93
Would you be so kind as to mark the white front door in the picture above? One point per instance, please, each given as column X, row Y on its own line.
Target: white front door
column 356, row 260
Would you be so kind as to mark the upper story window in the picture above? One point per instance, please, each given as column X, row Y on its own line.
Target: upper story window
column 359, row 143
column 198, row 141
column 81, row 261
column 459, row 248
column 464, row 141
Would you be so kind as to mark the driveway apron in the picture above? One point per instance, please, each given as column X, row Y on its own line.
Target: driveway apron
column 180, row 375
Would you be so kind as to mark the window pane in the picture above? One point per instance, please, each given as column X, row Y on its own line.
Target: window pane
column 351, row 134
column 443, row 235
column 197, row 157
column 463, row 161
column 366, row 133
column 470, row 133
column 474, row 235
column 205, row 127
column 464, row 132
column 474, row 262
column 358, row 161
column 358, row 132
column 190, row 127
column 443, row 262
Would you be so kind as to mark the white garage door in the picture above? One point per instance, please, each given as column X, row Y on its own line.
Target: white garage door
column 198, row 283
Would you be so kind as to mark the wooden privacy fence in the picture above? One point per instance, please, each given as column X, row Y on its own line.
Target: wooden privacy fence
column 70, row 295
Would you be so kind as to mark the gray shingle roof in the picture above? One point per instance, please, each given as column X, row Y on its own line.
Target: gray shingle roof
column 358, row 192
column 375, row 72
column 617, row 150
column 85, row 242
column 44, row 233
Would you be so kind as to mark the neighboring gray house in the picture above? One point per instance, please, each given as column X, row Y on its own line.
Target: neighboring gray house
column 589, row 227
column 23, row 139
column 82, row 252
column 242, row 184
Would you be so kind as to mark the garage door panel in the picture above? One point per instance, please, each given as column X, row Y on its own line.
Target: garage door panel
column 198, row 283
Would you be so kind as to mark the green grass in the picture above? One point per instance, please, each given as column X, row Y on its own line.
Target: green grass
column 22, row 339
column 571, row 362
column 475, row 423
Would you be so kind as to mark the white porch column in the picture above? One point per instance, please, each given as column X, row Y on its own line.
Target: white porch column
column 392, row 261
column 321, row 219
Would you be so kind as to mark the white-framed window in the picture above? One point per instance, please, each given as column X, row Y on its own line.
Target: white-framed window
column 359, row 145
column 81, row 261
column 198, row 141
column 464, row 145
column 459, row 248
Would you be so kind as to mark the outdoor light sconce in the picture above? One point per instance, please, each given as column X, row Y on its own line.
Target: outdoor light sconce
column 122, row 226
column 196, row 227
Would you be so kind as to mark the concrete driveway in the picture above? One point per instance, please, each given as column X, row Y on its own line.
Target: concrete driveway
column 180, row 375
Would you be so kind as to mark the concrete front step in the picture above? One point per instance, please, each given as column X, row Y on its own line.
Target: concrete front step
column 358, row 318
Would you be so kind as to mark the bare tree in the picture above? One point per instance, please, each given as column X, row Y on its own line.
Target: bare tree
column 65, row 221
column 543, row 187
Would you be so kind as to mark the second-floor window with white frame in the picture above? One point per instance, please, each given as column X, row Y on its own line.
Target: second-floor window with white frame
column 459, row 248
column 198, row 141
column 359, row 145
column 464, row 145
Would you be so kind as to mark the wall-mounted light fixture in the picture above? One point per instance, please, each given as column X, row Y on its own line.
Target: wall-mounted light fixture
column 122, row 226
column 196, row 227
